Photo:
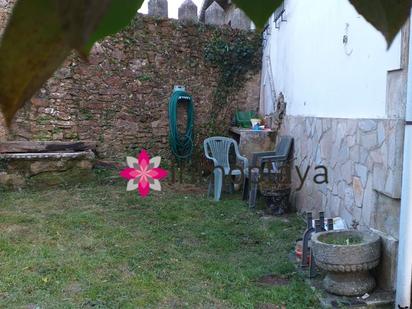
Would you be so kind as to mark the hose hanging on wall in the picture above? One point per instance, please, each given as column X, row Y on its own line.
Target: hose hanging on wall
column 181, row 144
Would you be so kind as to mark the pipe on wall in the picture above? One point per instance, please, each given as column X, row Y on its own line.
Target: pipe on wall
column 404, row 269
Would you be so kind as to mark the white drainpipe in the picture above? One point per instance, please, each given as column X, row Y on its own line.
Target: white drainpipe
column 404, row 269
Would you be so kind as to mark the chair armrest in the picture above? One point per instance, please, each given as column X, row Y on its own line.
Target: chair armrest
column 276, row 160
column 211, row 158
column 240, row 157
column 244, row 159
column 273, row 159
column 257, row 155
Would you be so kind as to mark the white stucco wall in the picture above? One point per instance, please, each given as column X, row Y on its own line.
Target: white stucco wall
column 318, row 75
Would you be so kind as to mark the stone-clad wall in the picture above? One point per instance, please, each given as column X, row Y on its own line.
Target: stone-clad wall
column 120, row 97
column 364, row 163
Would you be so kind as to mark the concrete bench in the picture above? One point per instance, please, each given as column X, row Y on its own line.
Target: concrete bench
column 44, row 164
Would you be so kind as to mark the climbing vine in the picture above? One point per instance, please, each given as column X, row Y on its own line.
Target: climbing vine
column 235, row 55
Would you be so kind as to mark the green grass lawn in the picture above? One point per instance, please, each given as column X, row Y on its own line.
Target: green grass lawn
column 99, row 246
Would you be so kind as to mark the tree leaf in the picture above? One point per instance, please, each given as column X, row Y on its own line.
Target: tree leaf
column 258, row 11
column 32, row 48
column 118, row 16
column 41, row 34
column 387, row 16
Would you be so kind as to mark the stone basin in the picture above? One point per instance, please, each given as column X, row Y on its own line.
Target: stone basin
column 347, row 256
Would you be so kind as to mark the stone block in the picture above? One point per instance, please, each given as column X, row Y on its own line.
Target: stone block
column 240, row 20
column 367, row 125
column 326, row 146
column 158, row 8
column 363, row 153
column 13, row 181
column 369, row 203
column 351, row 126
column 396, row 93
column 349, row 199
column 379, row 177
column 214, row 14
column 362, row 172
column 393, row 185
column 344, row 153
column 377, row 156
column 387, row 214
column 334, row 206
column 354, row 153
column 357, row 191
column 381, row 133
column 188, row 11
column 46, row 166
column 351, row 140
column 85, row 164
column 369, row 140
column 346, row 171
column 326, row 123
column 386, row 270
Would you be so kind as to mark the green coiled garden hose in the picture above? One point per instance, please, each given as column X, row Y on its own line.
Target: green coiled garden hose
column 181, row 144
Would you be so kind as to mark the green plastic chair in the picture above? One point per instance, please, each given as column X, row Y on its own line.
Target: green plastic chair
column 243, row 118
column 217, row 149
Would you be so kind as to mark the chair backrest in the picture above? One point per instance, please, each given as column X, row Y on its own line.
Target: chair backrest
column 284, row 147
column 218, row 147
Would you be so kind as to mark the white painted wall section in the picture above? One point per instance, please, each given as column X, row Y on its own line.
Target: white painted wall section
column 320, row 75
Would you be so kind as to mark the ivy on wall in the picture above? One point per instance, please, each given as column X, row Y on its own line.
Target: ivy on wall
column 235, row 55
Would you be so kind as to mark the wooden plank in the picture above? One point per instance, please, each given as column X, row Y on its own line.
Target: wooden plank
column 33, row 146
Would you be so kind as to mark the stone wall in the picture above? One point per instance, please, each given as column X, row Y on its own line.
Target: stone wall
column 363, row 159
column 119, row 98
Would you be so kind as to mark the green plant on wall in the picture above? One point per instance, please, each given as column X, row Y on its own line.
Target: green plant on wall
column 235, row 55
